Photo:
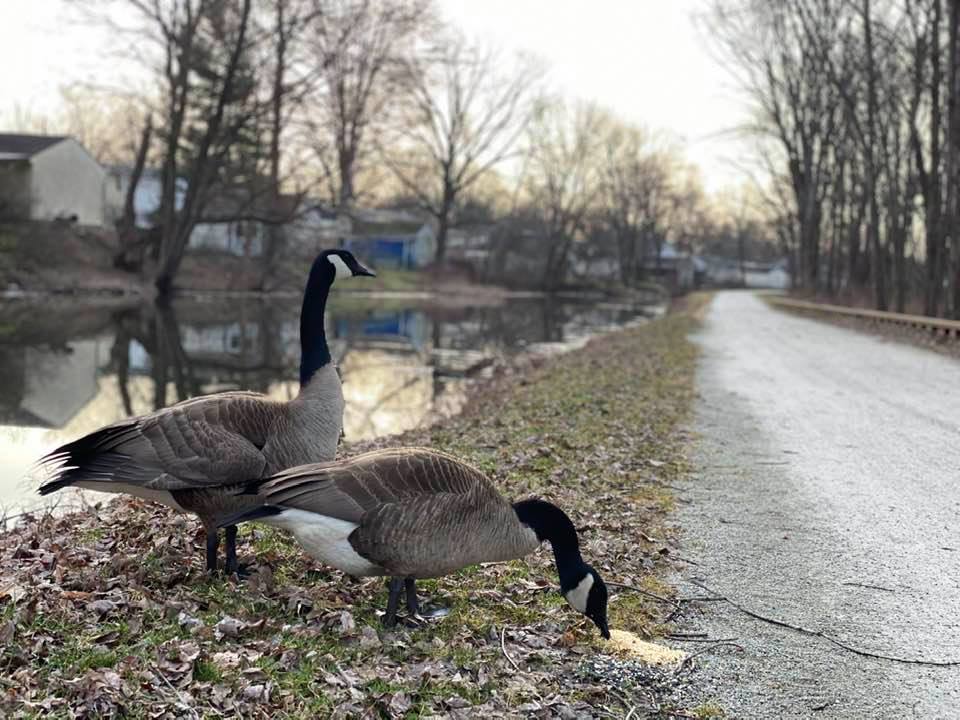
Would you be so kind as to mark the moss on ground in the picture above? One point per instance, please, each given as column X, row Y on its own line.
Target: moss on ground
column 108, row 613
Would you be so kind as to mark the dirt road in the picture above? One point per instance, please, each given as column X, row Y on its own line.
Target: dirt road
column 826, row 494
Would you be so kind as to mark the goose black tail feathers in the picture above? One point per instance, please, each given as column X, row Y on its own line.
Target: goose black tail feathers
column 92, row 457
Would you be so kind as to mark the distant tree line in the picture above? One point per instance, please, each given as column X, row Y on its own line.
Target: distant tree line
column 268, row 102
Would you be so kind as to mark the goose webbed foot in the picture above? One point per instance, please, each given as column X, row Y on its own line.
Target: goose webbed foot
column 416, row 613
column 414, row 607
column 416, row 610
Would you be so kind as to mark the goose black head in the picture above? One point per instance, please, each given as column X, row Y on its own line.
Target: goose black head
column 588, row 595
column 345, row 264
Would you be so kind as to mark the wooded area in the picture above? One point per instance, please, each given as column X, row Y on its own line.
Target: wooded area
column 276, row 105
column 856, row 108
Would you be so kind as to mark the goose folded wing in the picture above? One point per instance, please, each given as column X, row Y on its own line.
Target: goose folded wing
column 437, row 535
column 348, row 489
column 202, row 455
column 175, row 449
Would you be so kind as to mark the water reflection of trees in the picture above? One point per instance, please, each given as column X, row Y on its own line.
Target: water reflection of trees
column 398, row 363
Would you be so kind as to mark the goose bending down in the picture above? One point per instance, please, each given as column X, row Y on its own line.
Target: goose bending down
column 413, row 513
column 182, row 455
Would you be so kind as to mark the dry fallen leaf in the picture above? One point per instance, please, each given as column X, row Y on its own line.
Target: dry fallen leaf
column 228, row 627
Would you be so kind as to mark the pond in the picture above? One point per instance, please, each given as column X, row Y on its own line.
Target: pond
column 70, row 367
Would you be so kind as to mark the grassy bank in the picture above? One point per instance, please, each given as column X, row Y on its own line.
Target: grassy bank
column 108, row 613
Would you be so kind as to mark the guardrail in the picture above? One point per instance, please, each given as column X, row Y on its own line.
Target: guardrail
column 937, row 325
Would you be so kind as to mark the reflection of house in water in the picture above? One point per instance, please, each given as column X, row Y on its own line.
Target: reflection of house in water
column 404, row 330
column 46, row 387
column 228, row 339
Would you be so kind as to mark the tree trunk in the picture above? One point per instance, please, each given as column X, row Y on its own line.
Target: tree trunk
column 953, row 163
column 443, row 222
column 873, row 227
column 932, row 186
column 130, row 253
column 275, row 233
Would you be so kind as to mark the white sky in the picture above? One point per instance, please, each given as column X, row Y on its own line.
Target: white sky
column 644, row 59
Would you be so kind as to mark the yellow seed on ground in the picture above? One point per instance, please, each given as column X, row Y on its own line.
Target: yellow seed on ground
column 626, row 643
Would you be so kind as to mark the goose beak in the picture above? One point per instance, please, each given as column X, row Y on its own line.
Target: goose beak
column 361, row 270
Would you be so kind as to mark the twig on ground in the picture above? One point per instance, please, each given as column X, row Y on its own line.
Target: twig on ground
column 869, row 587
column 828, row 638
column 503, row 647
column 687, row 636
column 698, row 638
column 654, row 596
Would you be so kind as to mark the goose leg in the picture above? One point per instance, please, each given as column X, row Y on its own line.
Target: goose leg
column 393, row 600
column 213, row 542
column 413, row 605
column 231, row 550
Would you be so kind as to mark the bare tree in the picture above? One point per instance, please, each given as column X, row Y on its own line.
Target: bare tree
column 952, row 161
column 851, row 91
column 927, row 146
column 635, row 182
column 466, row 118
column 218, row 57
column 359, row 52
column 563, row 179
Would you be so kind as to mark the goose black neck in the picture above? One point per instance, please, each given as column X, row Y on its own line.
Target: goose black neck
column 314, row 353
column 550, row 523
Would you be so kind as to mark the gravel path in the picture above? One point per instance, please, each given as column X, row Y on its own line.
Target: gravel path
column 825, row 494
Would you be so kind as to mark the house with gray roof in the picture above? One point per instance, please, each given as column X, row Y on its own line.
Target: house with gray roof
column 50, row 177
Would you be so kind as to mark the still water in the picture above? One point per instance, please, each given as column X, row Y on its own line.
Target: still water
column 67, row 368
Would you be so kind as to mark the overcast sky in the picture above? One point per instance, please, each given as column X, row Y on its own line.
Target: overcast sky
column 645, row 59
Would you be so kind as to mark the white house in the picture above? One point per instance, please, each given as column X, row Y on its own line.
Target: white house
column 765, row 275
column 146, row 196
column 317, row 227
column 50, row 177
column 674, row 267
column 236, row 237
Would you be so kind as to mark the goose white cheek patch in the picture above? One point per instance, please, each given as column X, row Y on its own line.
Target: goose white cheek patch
column 578, row 596
column 340, row 266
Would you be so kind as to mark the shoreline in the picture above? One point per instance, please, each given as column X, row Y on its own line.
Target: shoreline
column 471, row 291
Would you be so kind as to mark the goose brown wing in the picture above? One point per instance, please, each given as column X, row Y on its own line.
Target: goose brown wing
column 348, row 490
column 212, row 440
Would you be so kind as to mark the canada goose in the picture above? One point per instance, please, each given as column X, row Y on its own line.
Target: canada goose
column 416, row 513
column 180, row 455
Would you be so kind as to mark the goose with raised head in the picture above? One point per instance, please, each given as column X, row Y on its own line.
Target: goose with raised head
column 182, row 455
column 411, row 513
